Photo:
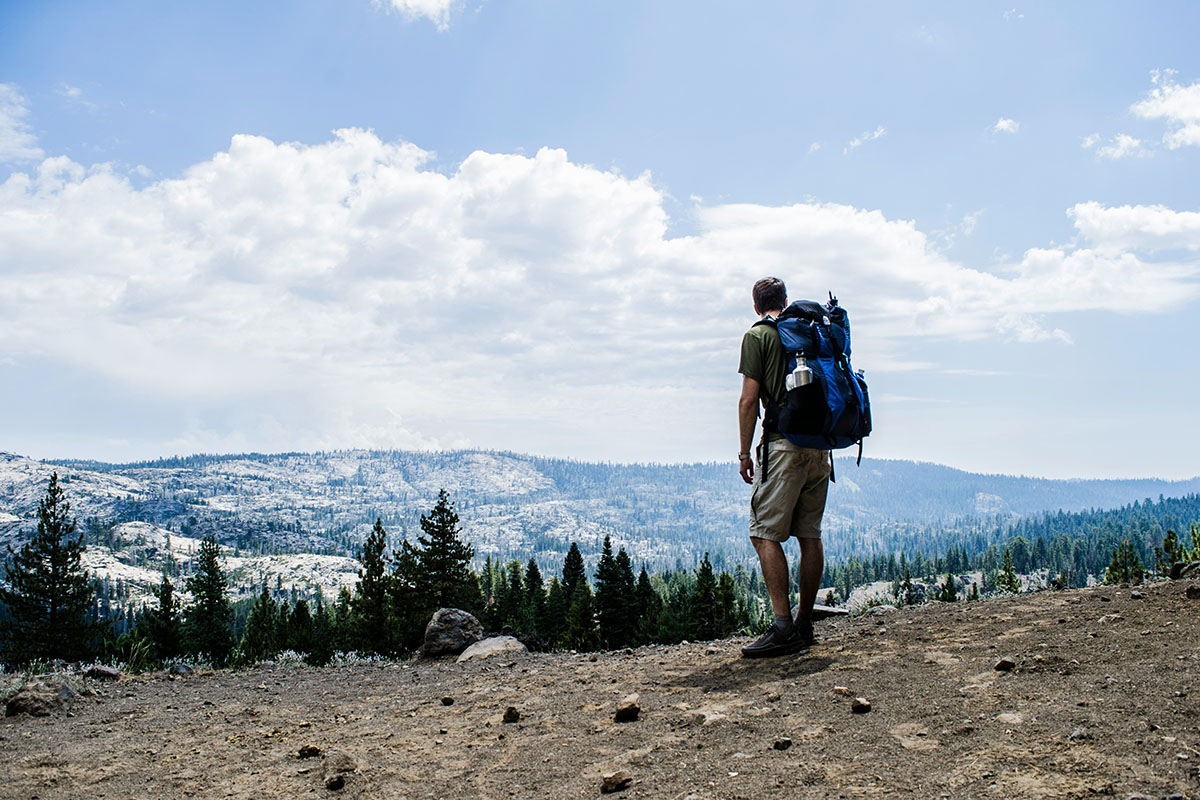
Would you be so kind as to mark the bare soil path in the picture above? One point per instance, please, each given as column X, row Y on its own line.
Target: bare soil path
column 1104, row 700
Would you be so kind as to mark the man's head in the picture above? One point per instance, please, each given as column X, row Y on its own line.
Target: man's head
column 769, row 295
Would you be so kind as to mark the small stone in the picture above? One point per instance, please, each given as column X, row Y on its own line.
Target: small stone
column 335, row 783
column 860, row 705
column 179, row 668
column 593, row 657
column 844, row 691
column 1193, row 593
column 339, row 761
column 628, row 709
column 615, row 781
column 447, row 700
column 1005, row 664
column 1080, row 735
column 1136, row 595
column 511, row 714
column 782, row 743
column 308, row 751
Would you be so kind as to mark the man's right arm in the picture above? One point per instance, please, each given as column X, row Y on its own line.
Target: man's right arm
column 747, row 417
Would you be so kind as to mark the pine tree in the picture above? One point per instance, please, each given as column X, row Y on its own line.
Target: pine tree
column 209, row 616
column 260, row 639
column 1007, row 580
column 300, row 628
column 445, row 559
column 513, row 600
column 573, row 573
column 535, row 598
column 342, row 623
column 321, row 650
column 949, row 593
column 649, row 607
column 727, row 612
column 556, row 613
column 704, row 602
column 1125, row 566
column 369, row 606
column 581, row 632
column 627, row 593
column 410, row 603
column 51, row 598
column 164, row 625
column 609, row 611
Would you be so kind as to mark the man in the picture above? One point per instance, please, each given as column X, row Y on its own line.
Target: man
column 791, row 500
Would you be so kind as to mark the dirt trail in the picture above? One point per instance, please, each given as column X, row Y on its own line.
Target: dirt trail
column 1104, row 700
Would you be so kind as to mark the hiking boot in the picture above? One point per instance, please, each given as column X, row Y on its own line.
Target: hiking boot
column 775, row 643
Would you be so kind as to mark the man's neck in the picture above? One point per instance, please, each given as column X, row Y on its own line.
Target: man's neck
column 774, row 313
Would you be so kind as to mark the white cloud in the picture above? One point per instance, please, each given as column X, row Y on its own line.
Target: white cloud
column 1013, row 14
column 347, row 293
column 1178, row 105
column 1005, row 125
column 1123, row 146
column 436, row 11
column 1145, row 228
column 814, row 147
column 1090, row 141
column 17, row 142
column 859, row 141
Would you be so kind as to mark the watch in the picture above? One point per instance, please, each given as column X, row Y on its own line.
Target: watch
column 743, row 456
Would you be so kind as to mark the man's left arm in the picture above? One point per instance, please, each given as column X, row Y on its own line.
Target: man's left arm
column 747, row 417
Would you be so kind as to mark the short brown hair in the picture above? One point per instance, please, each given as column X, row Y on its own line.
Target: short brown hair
column 770, row 294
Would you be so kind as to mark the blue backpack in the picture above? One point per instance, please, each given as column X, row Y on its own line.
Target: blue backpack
column 831, row 410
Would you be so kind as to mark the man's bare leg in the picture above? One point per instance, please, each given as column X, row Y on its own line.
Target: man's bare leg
column 812, row 567
column 775, row 574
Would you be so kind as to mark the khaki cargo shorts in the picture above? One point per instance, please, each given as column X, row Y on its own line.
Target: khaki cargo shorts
column 792, row 501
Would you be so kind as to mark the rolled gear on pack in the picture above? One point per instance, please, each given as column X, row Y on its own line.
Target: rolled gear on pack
column 827, row 406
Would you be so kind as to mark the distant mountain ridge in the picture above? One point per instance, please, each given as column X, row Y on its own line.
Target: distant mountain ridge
column 514, row 505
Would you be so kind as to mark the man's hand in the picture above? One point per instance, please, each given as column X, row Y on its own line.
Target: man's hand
column 747, row 470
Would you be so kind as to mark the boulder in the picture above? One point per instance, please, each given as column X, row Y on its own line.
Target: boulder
column 495, row 646
column 449, row 632
column 180, row 668
column 38, row 699
column 1184, row 570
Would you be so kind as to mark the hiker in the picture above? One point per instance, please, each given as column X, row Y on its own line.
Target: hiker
column 789, row 495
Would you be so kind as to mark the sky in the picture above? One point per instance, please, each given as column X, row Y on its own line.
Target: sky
column 534, row 226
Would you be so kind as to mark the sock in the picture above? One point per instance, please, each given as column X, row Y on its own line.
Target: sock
column 783, row 621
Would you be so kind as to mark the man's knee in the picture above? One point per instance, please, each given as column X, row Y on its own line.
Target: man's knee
column 768, row 546
column 811, row 548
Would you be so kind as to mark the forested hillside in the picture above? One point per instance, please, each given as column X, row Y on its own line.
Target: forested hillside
column 516, row 506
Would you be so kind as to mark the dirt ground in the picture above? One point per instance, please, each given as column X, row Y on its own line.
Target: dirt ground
column 1104, row 700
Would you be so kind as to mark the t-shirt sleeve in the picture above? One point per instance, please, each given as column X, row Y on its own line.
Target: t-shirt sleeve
column 751, row 362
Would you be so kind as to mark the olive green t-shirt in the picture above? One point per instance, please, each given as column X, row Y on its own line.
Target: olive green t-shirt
column 764, row 360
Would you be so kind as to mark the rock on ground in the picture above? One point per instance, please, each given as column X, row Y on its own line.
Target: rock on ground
column 449, row 632
column 40, row 699
column 495, row 646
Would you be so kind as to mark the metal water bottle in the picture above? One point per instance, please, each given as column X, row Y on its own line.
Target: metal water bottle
column 800, row 376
